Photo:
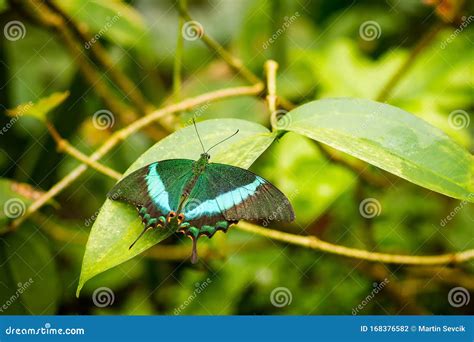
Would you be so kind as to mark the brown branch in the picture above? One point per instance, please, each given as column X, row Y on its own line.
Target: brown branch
column 313, row 242
column 64, row 146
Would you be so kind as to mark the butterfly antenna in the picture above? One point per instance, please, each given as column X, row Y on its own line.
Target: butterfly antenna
column 220, row 142
column 195, row 127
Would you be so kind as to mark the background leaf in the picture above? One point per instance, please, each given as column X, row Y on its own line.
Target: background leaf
column 118, row 224
column 34, row 283
column 40, row 109
column 389, row 138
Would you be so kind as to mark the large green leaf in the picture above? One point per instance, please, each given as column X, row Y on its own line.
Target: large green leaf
column 391, row 139
column 118, row 224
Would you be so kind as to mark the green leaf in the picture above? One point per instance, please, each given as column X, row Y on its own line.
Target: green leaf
column 298, row 168
column 118, row 224
column 41, row 108
column 391, row 139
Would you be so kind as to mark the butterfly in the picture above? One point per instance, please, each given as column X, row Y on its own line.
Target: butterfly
column 199, row 197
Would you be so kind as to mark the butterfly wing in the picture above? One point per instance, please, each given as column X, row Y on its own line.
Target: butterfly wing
column 229, row 193
column 154, row 189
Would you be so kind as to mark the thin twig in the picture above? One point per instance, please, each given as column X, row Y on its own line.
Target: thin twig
column 313, row 242
column 64, row 146
column 122, row 134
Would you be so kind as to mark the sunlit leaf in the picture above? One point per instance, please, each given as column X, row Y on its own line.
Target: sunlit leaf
column 41, row 108
column 391, row 139
column 118, row 224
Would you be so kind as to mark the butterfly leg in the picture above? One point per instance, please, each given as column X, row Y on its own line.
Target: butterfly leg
column 149, row 223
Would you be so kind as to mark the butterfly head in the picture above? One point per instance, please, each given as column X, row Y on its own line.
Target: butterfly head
column 201, row 163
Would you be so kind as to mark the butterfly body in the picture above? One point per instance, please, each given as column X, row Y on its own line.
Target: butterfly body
column 198, row 197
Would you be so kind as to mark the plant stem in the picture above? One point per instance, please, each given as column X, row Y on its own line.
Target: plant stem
column 271, row 68
column 313, row 242
column 64, row 146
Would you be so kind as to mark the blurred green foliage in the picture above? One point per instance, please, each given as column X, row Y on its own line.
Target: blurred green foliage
column 321, row 54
